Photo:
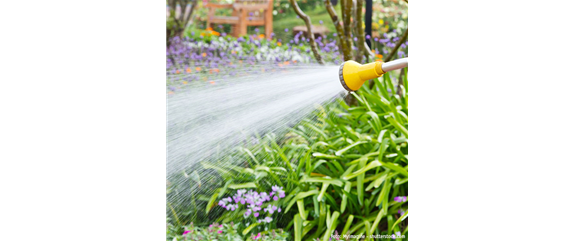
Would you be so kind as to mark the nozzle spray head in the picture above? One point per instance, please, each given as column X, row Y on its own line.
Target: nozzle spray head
column 352, row 74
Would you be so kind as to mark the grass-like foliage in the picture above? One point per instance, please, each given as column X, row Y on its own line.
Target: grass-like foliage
column 344, row 171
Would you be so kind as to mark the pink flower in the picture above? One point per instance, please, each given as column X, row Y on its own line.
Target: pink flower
column 186, row 232
column 220, row 231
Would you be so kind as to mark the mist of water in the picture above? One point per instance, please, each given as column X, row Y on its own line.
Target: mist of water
column 211, row 117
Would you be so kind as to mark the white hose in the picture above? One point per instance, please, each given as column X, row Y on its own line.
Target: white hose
column 395, row 64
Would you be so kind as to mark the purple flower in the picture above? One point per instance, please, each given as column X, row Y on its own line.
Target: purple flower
column 231, row 207
column 265, row 196
column 268, row 209
column 400, row 199
column 286, row 30
column 256, row 214
column 368, row 36
column 275, row 198
column 320, row 21
column 247, row 213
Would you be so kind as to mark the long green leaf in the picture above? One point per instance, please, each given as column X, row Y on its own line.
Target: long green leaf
column 329, row 180
column 403, row 217
column 323, row 190
column 298, row 226
column 370, row 166
column 396, row 168
column 339, row 152
column 246, row 230
column 332, row 224
column 345, row 197
column 250, row 155
column 212, row 200
column 348, row 224
column 380, row 216
column 300, row 196
column 368, row 230
column 326, row 156
column 384, row 196
column 399, row 127
column 301, row 207
column 243, row 185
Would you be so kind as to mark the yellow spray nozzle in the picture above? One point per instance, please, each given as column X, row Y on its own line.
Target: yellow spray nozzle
column 353, row 74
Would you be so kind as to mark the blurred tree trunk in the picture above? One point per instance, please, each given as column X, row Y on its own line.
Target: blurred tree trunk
column 307, row 21
column 178, row 20
column 340, row 32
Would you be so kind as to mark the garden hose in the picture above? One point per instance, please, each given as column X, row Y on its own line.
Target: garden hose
column 352, row 74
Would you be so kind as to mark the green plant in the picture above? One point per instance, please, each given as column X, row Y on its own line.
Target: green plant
column 345, row 170
column 357, row 165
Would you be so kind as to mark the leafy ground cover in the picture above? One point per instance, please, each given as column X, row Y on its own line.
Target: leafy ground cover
column 344, row 171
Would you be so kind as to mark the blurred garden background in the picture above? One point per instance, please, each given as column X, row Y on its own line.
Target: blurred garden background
column 341, row 173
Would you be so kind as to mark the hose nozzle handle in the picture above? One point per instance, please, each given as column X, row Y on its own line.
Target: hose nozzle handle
column 352, row 74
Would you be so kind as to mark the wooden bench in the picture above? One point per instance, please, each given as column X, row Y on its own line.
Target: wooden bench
column 318, row 31
column 244, row 13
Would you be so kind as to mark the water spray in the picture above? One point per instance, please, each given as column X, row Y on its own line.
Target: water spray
column 352, row 74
